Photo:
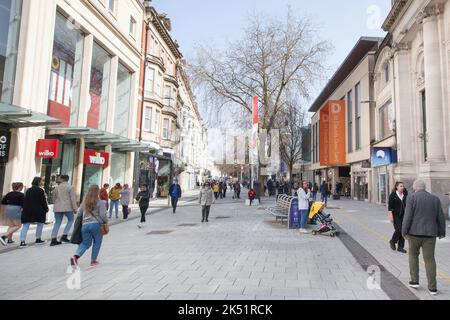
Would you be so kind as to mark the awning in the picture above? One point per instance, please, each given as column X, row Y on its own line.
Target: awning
column 101, row 138
column 18, row 117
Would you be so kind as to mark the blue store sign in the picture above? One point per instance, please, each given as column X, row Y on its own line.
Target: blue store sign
column 383, row 156
column 294, row 215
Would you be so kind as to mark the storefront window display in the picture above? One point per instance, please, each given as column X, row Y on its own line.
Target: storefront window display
column 63, row 164
column 121, row 114
column 10, row 17
column 65, row 80
column 118, row 167
column 99, row 88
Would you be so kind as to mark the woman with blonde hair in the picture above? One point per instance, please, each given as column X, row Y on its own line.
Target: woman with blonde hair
column 93, row 211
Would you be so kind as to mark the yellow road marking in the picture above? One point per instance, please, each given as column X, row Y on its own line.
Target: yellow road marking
column 382, row 237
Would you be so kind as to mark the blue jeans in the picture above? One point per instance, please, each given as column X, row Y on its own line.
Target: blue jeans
column 314, row 196
column 58, row 220
column 115, row 204
column 90, row 234
column 303, row 218
column 26, row 226
column 325, row 198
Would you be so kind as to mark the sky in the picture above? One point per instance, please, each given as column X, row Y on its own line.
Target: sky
column 219, row 21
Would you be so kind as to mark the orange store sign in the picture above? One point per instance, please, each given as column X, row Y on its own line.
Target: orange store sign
column 332, row 133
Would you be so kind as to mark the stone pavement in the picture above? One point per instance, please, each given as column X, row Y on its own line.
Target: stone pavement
column 240, row 254
column 369, row 225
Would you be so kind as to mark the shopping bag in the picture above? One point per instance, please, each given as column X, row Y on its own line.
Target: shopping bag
column 76, row 237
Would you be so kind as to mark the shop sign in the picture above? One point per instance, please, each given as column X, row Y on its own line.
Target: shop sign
column 383, row 156
column 47, row 148
column 5, row 138
column 332, row 134
column 96, row 158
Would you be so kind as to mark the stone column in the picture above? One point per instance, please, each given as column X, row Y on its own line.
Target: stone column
column 433, row 86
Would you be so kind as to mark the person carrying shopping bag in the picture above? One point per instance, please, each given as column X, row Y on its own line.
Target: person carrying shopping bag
column 94, row 225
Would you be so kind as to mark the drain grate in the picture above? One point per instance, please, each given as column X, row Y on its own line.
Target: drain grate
column 223, row 217
column 160, row 232
column 187, row 225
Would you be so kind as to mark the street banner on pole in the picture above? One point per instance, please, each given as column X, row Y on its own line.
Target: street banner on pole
column 254, row 142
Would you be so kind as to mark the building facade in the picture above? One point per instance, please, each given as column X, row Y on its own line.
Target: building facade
column 78, row 63
column 342, row 127
column 168, row 118
column 412, row 79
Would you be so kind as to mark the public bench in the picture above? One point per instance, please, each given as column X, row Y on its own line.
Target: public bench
column 281, row 210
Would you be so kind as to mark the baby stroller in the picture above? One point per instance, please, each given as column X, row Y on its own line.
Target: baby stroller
column 324, row 220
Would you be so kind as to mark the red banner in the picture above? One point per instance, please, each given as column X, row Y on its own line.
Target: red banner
column 96, row 158
column 255, row 111
column 47, row 148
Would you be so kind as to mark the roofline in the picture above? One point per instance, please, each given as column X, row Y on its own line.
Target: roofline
column 163, row 31
column 397, row 11
column 329, row 87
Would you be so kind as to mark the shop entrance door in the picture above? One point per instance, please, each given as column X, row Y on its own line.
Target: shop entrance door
column 92, row 175
column 382, row 187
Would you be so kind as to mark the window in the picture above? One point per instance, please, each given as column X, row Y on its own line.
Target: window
column 157, row 115
column 148, row 119
column 111, row 5
column 169, row 96
column 165, row 132
column 150, row 80
column 132, row 27
column 350, row 121
column 358, row 116
column 122, row 112
column 158, row 84
column 65, row 77
column 424, row 124
column 170, row 70
column 10, row 16
column 99, row 88
column 386, row 118
column 386, row 73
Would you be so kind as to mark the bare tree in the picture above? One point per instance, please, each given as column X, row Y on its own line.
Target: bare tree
column 291, row 122
column 273, row 56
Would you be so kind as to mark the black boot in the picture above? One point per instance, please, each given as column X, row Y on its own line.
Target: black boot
column 53, row 243
column 65, row 239
column 392, row 245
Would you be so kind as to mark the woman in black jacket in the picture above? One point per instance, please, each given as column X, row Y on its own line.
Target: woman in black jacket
column 14, row 204
column 397, row 205
column 35, row 209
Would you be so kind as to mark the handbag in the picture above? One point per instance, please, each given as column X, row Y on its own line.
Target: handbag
column 104, row 227
column 76, row 237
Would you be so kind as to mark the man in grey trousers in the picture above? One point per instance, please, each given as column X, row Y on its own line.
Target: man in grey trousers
column 423, row 222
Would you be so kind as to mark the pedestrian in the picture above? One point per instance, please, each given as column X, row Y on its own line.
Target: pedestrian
column 221, row 189
column 324, row 191
column 114, row 196
column 396, row 207
column 175, row 194
column 237, row 190
column 35, row 210
column 104, row 195
column 206, row 200
column 93, row 211
column 315, row 189
column 64, row 205
column 448, row 194
column 224, row 191
column 423, row 222
column 216, row 190
column 251, row 195
column 14, row 204
column 125, row 196
column 270, row 187
column 304, row 195
column 144, row 199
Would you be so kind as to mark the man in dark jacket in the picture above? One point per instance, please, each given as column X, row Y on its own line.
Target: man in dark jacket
column 175, row 194
column 423, row 222
column 35, row 210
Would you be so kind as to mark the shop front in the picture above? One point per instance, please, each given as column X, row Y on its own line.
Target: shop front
column 382, row 164
column 360, row 184
column 94, row 162
column 156, row 171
